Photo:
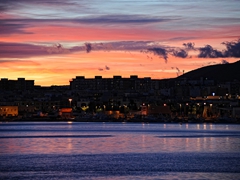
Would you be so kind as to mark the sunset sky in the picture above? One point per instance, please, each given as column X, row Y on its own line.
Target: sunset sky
column 52, row 41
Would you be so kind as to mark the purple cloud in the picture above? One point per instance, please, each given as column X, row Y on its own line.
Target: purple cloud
column 21, row 50
column 107, row 68
column 12, row 28
column 18, row 50
column 88, row 47
column 233, row 48
column 189, row 46
column 209, row 52
column 159, row 52
column 179, row 53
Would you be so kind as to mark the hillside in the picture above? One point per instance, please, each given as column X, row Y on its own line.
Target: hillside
column 219, row 72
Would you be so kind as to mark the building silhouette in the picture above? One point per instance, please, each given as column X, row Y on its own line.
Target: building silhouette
column 19, row 84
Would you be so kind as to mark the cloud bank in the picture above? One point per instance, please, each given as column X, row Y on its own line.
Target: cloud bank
column 24, row 50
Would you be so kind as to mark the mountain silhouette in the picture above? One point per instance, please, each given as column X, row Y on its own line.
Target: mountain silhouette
column 219, row 72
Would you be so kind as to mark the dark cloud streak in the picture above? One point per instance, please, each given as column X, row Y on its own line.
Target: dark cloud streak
column 103, row 19
column 15, row 4
column 88, row 47
column 180, row 53
column 21, row 50
column 123, row 19
column 107, row 68
column 189, row 46
column 161, row 52
column 233, row 48
column 209, row 52
column 12, row 28
column 18, row 50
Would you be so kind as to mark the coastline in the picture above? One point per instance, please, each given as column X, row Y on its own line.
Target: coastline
column 123, row 120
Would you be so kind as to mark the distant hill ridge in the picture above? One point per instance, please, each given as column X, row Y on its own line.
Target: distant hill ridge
column 219, row 72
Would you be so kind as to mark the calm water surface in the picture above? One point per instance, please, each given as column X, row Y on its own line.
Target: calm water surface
column 64, row 150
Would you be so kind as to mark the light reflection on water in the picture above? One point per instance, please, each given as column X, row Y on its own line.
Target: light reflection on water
column 119, row 151
column 117, row 138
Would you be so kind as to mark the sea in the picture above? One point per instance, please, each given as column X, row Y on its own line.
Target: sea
column 109, row 150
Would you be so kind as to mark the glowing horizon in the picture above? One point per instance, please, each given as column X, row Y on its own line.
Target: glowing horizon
column 53, row 42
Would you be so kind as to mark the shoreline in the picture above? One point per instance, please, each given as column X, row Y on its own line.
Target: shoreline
column 213, row 121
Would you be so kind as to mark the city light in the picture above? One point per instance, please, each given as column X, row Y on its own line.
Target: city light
column 70, row 102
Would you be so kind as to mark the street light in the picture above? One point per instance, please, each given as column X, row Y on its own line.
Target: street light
column 180, row 109
column 70, row 101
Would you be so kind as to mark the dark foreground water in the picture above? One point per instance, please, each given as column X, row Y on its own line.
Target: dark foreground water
column 119, row 151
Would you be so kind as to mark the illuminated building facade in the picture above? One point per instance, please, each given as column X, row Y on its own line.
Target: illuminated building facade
column 8, row 111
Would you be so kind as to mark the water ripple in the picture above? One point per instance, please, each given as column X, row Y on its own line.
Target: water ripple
column 201, row 136
column 59, row 136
